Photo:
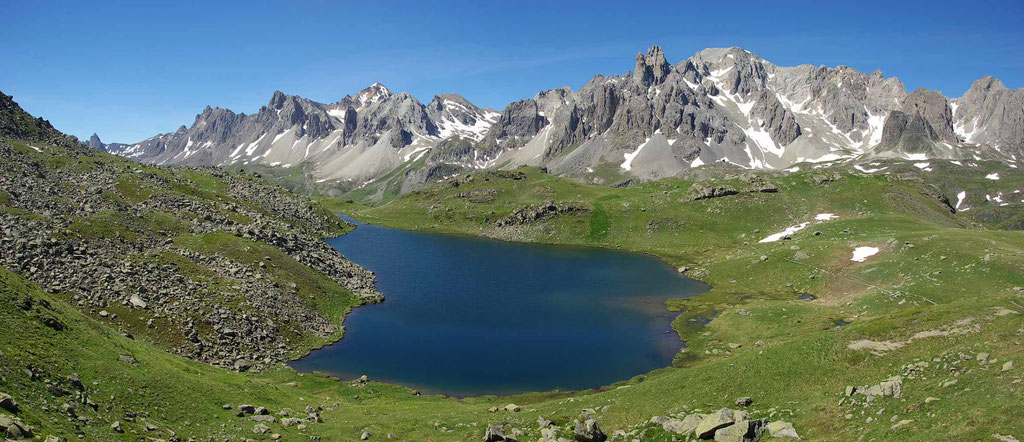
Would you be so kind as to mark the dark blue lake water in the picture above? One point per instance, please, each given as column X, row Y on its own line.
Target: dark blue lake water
column 470, row 316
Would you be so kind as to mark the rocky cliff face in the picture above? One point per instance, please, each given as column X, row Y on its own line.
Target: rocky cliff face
column 990, row 113
column 720, row 105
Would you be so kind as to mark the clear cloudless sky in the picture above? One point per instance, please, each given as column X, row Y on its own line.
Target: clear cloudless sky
column 131, row 69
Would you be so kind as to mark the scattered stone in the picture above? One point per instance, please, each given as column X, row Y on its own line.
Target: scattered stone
column 902, row 424
column 541, row 422
column 782, row 429
column 549, row 435
column 365, row 436
column 494, row 433
column 75, row 381
column 137, row 301
column 226, row 406
column 116, row 426
column 127, row 359
column 531, row 214
column 264, row 418
column 290, row 422
column 982, row 357
column 512, row 408
column 14, row 429
column 949, row 383
column 261, row 411
column 260, row 429
column 1008, row 365
column 930, row 399
column 246, row 408
column 744, row 401
column 7, row 403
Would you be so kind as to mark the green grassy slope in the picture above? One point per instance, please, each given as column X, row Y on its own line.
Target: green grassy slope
column 934, row 270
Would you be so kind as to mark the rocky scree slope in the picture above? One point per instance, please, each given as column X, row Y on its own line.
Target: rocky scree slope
column 223, row 268
column 721, row 104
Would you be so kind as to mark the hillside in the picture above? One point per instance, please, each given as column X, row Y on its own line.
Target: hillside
column 892, row 314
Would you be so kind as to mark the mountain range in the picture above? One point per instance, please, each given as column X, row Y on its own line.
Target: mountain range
column 658, row 120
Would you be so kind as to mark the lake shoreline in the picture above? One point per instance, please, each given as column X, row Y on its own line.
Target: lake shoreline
column 651, row 322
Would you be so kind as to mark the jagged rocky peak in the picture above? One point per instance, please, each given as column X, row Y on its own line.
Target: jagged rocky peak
column 376, row 92
column 735, row 70
column 651, row 68
column 721, row 104
column 95, row 143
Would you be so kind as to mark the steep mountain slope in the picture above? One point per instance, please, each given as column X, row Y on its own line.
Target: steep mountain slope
column 721, row 104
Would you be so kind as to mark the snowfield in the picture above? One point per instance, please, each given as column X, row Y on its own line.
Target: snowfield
column 862, row 253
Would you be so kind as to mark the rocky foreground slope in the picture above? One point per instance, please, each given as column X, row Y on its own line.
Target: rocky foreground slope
column 223, row 268
column 721, row 104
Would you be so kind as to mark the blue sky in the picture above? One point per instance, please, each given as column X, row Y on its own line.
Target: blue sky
column 129, row 70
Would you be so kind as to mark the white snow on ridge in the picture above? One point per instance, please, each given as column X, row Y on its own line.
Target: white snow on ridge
column 825, row 217
column 862, row 253
column 993, row 176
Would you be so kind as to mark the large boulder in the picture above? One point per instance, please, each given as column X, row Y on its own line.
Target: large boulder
column 741, row 431
column 782, row 429
column 7, row 403
column 720, row 419
column 685, row 425
column 588, row 431
column 14, row 429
